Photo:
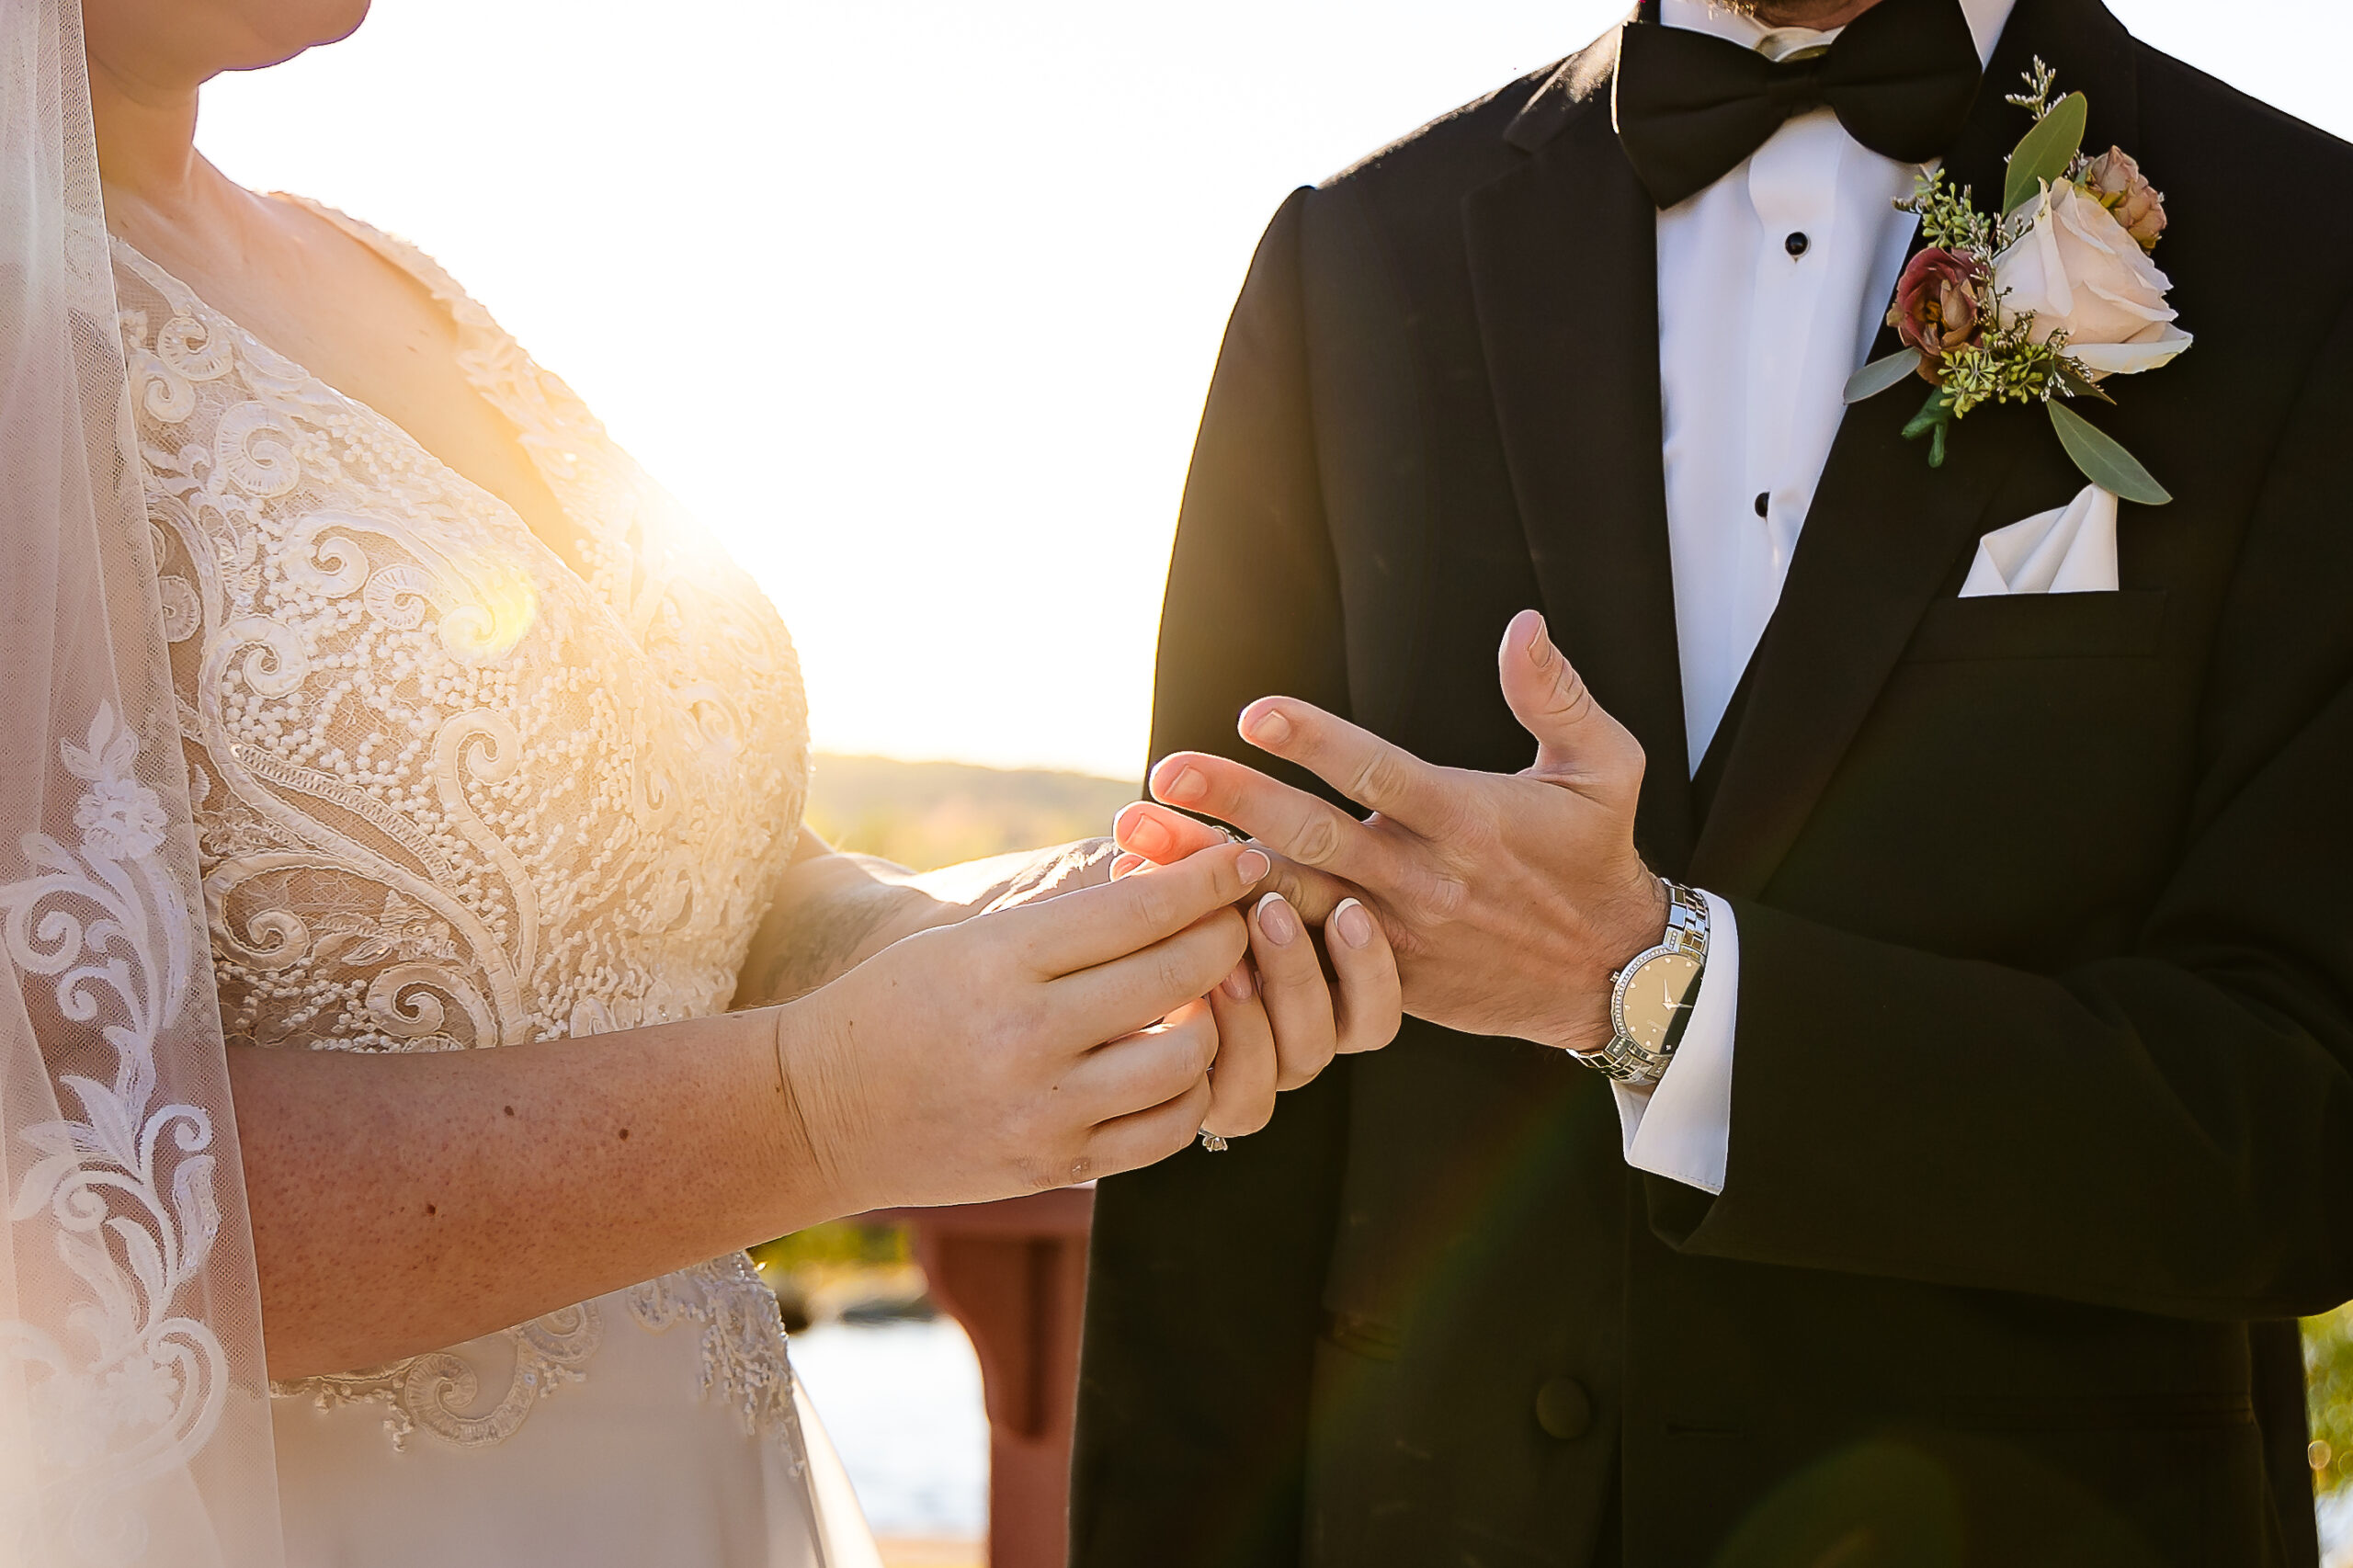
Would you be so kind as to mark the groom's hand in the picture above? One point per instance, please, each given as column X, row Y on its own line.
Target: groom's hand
column 1510, row 900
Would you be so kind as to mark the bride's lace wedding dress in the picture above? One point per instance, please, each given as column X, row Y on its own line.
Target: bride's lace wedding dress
column 452, row 793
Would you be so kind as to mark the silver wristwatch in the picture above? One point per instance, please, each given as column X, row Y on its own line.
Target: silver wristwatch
column 1653, row 998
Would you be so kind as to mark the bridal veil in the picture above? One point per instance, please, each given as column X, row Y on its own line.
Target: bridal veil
column 134, row 1422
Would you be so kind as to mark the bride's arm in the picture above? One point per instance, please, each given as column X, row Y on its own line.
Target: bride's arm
column 835, row 909
column 404, row 1202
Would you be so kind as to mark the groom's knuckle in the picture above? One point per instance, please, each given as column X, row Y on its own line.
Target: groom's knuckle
column 1381, row 777
column 1318, row 841
column 1442, row 898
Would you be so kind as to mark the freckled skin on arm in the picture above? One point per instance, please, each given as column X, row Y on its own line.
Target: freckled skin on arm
column 401, row 1203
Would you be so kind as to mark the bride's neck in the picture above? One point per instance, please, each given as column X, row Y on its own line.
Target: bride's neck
column 156, row 182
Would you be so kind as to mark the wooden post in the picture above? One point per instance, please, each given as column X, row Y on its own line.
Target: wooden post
column 1014, row 1274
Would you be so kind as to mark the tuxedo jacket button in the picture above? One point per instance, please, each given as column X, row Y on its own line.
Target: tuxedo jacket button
column 1563, row 1409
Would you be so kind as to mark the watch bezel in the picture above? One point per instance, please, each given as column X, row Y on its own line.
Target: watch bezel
column 1623, row 1057
column 1624, row 987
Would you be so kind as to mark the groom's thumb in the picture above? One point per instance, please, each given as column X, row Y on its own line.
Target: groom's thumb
column 1576, row 740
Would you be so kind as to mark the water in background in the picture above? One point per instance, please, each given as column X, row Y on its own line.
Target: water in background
column 903, row 1402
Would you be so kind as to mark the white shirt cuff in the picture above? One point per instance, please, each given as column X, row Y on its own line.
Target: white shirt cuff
column 1680, row 1128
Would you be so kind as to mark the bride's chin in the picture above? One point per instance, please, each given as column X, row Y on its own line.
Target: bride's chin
column 284, row 29
column 167, row 42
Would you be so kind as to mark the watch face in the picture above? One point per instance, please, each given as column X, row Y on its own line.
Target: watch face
column 1657, row 994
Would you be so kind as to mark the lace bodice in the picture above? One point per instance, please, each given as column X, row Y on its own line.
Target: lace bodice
column 451, row 793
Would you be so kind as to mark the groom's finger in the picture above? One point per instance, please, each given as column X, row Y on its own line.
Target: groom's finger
column 1290, row 821
column 1095, row 925
column 1147, row 832
column 1358, row 763
column 1161, row 835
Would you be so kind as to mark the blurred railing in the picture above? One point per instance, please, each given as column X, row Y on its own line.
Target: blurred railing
column 1014, row 1274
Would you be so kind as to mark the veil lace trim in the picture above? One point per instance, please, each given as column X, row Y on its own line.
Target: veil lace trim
column 134, row 1422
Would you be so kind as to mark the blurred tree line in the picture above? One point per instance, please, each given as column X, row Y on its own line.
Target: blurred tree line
column 928, row 814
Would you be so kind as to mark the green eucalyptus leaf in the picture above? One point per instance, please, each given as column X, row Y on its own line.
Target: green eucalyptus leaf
column 2044, row 153
column 2102, row 460
column 1880, row 374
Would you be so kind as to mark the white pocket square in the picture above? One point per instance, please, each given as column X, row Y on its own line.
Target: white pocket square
column 2068, row 550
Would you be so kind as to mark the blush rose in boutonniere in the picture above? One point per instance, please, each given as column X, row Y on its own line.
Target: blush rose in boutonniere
column 2041, row 304
column 2078, row 272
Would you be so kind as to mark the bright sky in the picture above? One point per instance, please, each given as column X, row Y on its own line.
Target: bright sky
column 916, row 300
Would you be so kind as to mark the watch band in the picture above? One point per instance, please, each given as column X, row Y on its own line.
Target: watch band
column 1627, row 1060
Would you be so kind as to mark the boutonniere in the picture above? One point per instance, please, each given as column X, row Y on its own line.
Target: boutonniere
column 2041, row 304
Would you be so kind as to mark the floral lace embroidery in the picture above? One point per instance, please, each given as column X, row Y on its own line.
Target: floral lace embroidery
column 743, row 1338
column 432, row 1390
column 129, row 1186
column 450, row 793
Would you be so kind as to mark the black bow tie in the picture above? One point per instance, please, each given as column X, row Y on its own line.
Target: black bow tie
column 1689, row 106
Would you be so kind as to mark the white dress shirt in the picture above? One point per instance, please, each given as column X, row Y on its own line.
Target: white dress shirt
column 1772, row 286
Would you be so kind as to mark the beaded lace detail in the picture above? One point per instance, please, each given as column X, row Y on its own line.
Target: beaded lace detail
column 451, row 793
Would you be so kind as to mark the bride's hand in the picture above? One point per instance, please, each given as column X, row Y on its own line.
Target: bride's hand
column 1285, row 1012
column 968, row 1061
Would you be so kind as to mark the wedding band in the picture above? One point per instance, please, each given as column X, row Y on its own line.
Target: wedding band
column 1212, row 1143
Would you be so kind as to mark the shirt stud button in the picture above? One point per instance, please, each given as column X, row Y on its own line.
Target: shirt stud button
column 1563, row 1409
column 1795, row 243
column 1764, row 500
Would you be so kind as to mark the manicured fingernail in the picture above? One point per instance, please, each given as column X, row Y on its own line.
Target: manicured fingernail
column 1237, row 984
column 1254, row 865
column 1269, row 729
column 1277, row 920
column 1150, row 836
column 1353, row 923
column 1189, row 784
column 1125, row 864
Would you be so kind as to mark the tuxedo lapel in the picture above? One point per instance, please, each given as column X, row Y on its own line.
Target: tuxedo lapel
column 1885, row 529
column 1562, row 254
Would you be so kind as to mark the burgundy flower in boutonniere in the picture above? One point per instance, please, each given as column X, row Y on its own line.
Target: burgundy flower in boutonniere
column 1935, row 306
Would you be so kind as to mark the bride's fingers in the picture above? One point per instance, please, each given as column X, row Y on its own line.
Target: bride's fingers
column 1095, row 925
column 1142, row 1070
column 1241, row 1084
column 1290, row 982
column 1148, row 1136
column 1128, row 992
column 1366, row 996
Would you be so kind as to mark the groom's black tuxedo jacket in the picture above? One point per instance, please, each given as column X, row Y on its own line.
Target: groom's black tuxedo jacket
column 2041, row 1119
